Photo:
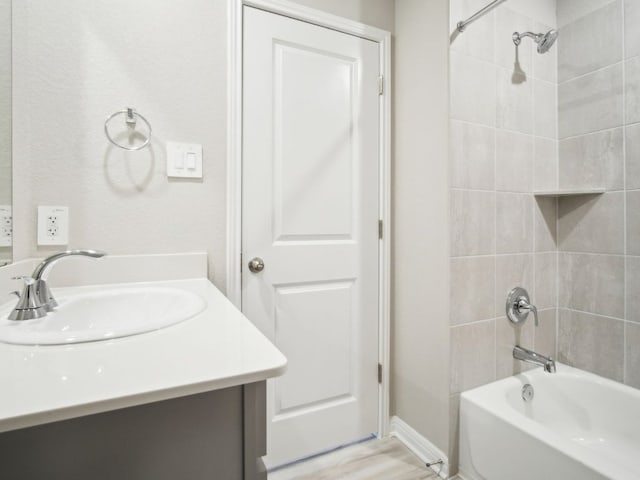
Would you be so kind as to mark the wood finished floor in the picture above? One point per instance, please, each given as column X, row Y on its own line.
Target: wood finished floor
column 373, row 460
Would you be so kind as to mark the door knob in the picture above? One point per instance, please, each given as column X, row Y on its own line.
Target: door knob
column 256, row 265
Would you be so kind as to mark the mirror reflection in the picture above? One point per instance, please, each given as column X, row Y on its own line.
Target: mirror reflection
column 5, row 132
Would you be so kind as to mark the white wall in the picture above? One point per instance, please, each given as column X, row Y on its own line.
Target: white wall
column 420, row 368
column 75, row 63
column 377, row 13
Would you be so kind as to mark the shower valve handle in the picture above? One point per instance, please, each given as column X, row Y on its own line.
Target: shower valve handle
column 518, row 306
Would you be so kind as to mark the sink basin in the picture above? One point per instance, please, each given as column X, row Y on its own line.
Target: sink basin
column 102, row 315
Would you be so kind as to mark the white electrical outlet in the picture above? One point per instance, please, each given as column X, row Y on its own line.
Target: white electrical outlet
column 53, row 225
column 6, row 226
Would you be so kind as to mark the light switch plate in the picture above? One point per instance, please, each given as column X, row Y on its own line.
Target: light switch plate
column 53, row 225
column 184, row 160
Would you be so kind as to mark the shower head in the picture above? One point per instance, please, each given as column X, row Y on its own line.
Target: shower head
column 547, row 41
column 544, row 40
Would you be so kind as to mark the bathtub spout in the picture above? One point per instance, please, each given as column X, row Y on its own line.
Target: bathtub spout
column 529, row 356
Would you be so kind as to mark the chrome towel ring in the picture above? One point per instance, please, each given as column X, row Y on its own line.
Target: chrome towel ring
column 131, row 118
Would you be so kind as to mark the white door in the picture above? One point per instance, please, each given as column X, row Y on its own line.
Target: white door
column 310, row 212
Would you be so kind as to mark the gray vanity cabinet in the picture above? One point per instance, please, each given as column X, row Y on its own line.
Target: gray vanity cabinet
column 217, row 435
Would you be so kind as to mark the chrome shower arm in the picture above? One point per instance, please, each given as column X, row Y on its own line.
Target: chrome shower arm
column 462, row 25
column 517, row 37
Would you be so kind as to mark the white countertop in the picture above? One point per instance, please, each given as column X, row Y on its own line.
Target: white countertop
column 217, row 348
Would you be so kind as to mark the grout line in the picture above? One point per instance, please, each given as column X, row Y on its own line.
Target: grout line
column 494, row 190
column 557, row 302
column 532, row 212
column 624, row 183
column 504, row 317
column 594, row 254
column 592, row 72
column 474, row 322
column 502, row 129
column 584, row 312
column 495, row 205
column 556, row 351
column 495, row 218
column 592, row 132
column 498, row 255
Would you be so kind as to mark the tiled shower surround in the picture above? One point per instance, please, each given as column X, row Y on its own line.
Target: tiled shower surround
column 599, row 236
column 503, row 145
column 523, row 122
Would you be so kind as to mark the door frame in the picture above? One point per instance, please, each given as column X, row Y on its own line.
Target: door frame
column 234, row 162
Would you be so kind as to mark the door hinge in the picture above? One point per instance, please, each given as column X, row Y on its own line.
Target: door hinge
column 380, row 85
column 379, row 373
column 380, row 229
column 241, row 264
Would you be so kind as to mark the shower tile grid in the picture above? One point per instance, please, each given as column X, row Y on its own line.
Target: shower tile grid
column 545, row 164
column 591, row 102
column 583, row 52
column 594, row 160
column 504, row 144
column 592, row 342
column 632, row 160
column 472, row 151
column 513, row 161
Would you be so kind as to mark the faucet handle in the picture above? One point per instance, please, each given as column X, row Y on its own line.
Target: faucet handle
column 525, row 305
column 29, row 306
column 27, row 281
column 518, row 306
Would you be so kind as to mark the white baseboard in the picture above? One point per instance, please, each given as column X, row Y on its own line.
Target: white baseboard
column 419, row 445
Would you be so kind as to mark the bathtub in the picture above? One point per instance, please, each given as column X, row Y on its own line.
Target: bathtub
column 577, row 426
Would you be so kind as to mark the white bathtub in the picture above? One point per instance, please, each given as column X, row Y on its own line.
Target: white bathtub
column 578, row 426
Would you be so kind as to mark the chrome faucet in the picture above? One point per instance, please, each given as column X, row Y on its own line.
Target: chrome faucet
column 518, row 308
column 36, row 298
column 520, row 353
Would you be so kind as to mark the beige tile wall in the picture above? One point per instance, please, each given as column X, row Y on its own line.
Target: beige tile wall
column 503, row 144
column 599, row 236
column 503, row 123
column 569, row 121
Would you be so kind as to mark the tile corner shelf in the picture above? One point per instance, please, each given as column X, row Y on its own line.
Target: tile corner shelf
column 568, row 192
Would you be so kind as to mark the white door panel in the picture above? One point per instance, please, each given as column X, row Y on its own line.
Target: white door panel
column 310, row 211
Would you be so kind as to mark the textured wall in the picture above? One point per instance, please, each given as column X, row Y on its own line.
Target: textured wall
column 599, row 236
column 75, row 63
column 503, row 146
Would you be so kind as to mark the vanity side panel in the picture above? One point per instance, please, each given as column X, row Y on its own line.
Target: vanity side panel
column 255, row 430
column 194, row 437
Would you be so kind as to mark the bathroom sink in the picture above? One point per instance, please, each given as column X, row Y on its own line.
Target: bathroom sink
column 102, row 315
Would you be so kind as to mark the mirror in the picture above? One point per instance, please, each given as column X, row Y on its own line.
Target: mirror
column 5, row 133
